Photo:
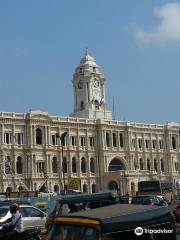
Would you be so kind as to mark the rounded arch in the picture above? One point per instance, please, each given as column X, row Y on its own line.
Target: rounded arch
column 116, row 164
column 155, row 165
column 38, row 136
column 64, row 165
column 92, row 166
column 83, row 165
column 19, row 166
column 74, row 166
column 85, row 189
column 54, row 165
column 20, row 188
column 56, row 188
column 113, row 185
column 148, row 164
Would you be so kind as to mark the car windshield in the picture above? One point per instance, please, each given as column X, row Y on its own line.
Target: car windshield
column 73, row 232
column 3, row 211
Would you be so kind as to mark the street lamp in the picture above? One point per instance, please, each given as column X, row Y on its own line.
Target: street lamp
column 62, row 139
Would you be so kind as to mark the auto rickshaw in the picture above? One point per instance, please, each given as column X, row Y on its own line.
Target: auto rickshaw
column 115, row 222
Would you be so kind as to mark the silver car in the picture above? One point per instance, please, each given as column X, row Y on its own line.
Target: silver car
column 31, row 216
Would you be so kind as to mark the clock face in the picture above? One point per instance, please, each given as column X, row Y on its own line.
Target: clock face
column 80, row 84
column 96, row 83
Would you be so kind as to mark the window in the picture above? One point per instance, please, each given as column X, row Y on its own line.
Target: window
column 154, row 144
column 176, row 166
column 8, row 166
column 54, row 165
column 73, row 140
column 54, row 139
column 83, row 141
column 121, row 140
column 8, row 138
column 83, row 165
column 140, row 143
column 133, row 142
column 141, row 164
column 161, row 144
column 162, row 165
column 93, row 188
column 173, row 142
column 107, row 140
column 147, row 143
column 91, row 141
column 74, row 167
column 155, row 165
column 64, row 165
column 84, row 187
column 19, row 165
column 148, row 164
column 40, row 167
column 19, row 138
column 114, row 140
column 32, row 212
column 92, row 167
column 82, row 105
column 94, row 69
column 38, row 136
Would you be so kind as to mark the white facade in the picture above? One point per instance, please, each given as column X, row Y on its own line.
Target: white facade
column 99, row 152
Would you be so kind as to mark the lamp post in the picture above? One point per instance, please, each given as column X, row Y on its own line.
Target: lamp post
column 62, row 139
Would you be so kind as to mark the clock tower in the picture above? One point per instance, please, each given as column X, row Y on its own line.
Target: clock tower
column 89, row 90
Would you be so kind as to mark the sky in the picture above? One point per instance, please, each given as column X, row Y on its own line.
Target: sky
column 137, row 44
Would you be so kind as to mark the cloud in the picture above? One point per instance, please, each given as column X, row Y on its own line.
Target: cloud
column 167, row 31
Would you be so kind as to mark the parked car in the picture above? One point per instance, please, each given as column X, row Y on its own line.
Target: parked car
column 149, row 200
column 176, row 213
column 31, row 216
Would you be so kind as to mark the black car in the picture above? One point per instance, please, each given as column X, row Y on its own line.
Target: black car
column 149, row 200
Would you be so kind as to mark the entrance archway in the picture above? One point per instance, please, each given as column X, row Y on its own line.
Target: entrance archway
column 133, row 192
column 56, row 188
column 116, row 165
column 113, row 185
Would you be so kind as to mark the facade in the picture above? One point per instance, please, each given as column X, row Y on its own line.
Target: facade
column 98, row 153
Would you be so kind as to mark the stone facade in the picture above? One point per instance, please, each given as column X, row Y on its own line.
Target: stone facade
column 98, row 153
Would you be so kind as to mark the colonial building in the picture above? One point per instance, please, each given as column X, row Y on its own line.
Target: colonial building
column 97, row 152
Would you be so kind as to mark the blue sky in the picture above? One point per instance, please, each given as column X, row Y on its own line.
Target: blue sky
column 137, row 43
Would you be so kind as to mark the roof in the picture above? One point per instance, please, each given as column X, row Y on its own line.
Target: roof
column 126, row 216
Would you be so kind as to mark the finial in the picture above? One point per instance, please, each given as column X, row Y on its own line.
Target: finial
column 86, row 52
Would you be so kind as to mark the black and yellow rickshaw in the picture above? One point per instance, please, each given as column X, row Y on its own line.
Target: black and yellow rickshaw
column 115, row 222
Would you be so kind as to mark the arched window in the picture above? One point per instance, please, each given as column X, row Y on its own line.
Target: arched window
column 173, row 142
column 19, row 166
column 8, row 166
column 162, row 165
column 148, row 164
column 114, row 140
column 92, row 167
column 64, row 165
column 121, row 142
column 116, row 165
column 155, row 165
column 83, row 165
column 113, row 185
column 107, row 140
column 74, row 167
column 141, row 163
column 56, row 188
column 82, row 105
column 54, row 165
column 38, row 136
column 85, row 189
column 93, row 188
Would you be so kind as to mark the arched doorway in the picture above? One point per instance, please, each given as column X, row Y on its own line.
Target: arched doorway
column 116, row 165
column 113, row 185
column 56, row 188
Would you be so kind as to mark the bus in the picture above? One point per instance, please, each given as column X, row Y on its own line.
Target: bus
column 162, row 188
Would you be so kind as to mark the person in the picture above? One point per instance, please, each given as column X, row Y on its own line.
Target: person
column 14, row 227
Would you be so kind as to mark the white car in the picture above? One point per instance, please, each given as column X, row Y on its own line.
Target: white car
column 31, row 216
